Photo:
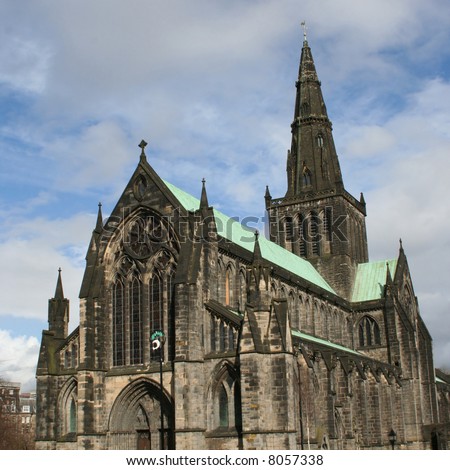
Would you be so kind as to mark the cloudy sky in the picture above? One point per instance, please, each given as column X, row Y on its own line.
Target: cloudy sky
column 210, row 85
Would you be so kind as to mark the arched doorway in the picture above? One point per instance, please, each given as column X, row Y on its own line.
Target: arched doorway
column 135, row 419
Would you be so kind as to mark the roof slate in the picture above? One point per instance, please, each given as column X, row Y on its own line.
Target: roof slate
column 236, row 233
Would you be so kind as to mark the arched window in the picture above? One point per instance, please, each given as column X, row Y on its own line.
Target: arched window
column 228, row 286
column 315, row 233
column 303, row 230
column 369, row 332
column 222, row 336
column 224, row 421
column 156, row 310
column 72, row 416
column 213, row 334
column 135, row 321
column 118, row 324
column 320, row 140
column 242, row 291
column 226, row 401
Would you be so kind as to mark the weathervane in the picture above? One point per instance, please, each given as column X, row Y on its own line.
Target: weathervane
column 303, row 24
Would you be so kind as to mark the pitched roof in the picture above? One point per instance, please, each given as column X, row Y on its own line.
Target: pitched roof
column 371, row 279
column 234, row 232
column 323, row 342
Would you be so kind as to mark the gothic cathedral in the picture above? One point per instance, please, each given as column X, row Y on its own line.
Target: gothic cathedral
column 197, row 333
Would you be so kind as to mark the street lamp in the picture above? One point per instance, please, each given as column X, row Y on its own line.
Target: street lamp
column 157, row 338
column 392, row 438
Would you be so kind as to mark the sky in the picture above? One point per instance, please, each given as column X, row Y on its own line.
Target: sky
column 210, row 85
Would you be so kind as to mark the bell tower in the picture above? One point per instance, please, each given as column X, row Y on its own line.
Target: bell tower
column 317, row 219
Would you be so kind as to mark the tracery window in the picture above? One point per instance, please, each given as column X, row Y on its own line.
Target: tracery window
column 141, row 304
column 369, row 332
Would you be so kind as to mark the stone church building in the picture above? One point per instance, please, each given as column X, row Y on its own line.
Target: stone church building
column 294, row 341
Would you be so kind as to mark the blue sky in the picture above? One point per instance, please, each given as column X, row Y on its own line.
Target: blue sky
column 210, row 86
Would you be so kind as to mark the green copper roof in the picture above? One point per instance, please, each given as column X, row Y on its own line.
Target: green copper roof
column 323, row 342
column 371, row 279
column 244, row 237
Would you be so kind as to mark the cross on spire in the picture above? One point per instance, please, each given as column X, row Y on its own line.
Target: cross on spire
column 303, row 24
column 142, row 145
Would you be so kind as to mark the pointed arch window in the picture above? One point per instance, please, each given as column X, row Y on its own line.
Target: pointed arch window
column 303, row 229
column 226, row 401
column 156, row 310
column 306, row 176
column 72, row 416
column 224, row 421
column 369, row 332
column 118, row 324
column 320, row 140
column 315, row 233
column 135, row 321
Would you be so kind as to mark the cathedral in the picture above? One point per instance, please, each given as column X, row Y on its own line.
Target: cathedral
column 198, row 333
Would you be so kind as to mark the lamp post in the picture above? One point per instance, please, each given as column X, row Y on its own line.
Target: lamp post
column 158, row 339
column 392, row 438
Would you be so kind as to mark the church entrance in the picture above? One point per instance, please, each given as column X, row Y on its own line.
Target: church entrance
column 135, row 420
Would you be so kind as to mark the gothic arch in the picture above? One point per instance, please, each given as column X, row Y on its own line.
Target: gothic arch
column 368, row 332
column 224, row 399
column 67, row 407
column 136, row 414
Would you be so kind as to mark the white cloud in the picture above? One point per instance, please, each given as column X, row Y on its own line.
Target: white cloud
column 18, row 361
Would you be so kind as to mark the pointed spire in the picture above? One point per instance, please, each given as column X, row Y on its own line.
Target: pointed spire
column 312, row 161
column 99, row 224
column 362, row 200
column 142, row 145
column 389, row 281
column 257, row 257
column 204, row 198
column 59, row 293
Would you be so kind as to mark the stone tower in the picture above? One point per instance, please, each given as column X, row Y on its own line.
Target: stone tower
column 317, row 218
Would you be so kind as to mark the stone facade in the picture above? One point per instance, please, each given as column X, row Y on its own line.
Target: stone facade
column 297, row 342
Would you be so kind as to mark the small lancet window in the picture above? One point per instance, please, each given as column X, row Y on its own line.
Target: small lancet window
column 223, row 408
column 306, row 175
column 320, row 141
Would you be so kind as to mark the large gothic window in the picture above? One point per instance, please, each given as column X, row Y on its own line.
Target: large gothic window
column 142, row 291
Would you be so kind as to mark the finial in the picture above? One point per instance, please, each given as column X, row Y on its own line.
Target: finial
column 204, row 198
column 401, row 243
column 142, row 145
column 99, row 224
column 303, row 23
column 256, row 235
column 59, row 270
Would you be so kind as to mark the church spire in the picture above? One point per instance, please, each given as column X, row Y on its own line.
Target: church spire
column 204, row 197
column 312, row 162
column 58, row 311
column 59, row 293
column 99, row 224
